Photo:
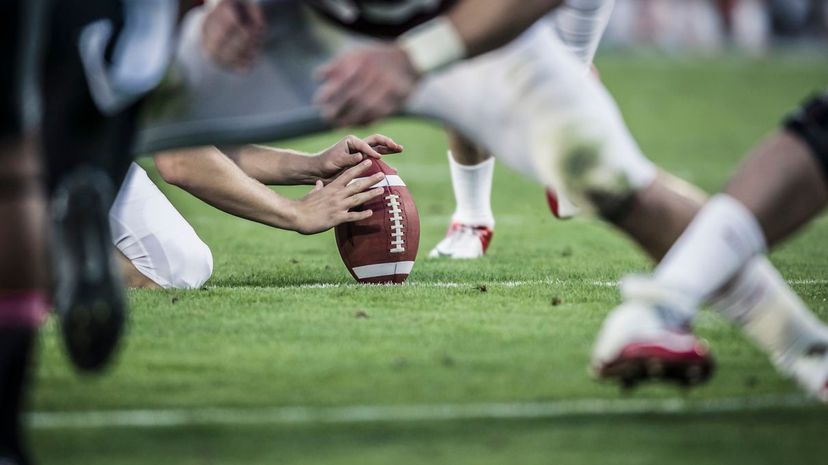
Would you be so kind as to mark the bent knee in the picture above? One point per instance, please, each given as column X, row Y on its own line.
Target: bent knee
column 590, row 175
column 171, row 261
column 191, row 264
column 600, row 171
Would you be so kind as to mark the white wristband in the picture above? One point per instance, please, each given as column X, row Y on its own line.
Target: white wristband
column 433, row 45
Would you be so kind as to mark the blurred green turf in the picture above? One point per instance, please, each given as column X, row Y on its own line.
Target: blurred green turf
column 253, row 339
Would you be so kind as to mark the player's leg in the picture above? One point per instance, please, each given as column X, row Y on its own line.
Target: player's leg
column 86, row 286
column 657, row 217
column 564, row 130
column 780, row 186
column 156, row 242
column 23, row 297
column 472, row 223
column 578, row 144
column 793, row 166
column 23, row 281
column 607, row 173
column 89, row 116
column 579, row 24
column 23, row 300
column 133, row 279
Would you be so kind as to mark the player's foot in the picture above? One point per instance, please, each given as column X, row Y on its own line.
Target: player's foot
column 89, row 296
column 646, row 338
column 810, row 370
column 463, row 241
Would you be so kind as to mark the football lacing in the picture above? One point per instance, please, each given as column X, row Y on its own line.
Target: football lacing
column 397, row 242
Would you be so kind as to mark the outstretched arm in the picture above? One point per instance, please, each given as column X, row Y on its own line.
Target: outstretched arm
column 484, row 25
column 372, row 83
column 210, row 175
column 285, row 167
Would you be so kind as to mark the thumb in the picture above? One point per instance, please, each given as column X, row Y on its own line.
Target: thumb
column 318, row 187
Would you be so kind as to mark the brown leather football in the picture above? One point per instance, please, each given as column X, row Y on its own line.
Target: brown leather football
column 382, row 248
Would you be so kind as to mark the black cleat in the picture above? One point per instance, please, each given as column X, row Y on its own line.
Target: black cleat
column 89, row 294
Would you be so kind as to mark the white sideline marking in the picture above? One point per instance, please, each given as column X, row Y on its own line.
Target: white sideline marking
column 403, row 413
column 470, row 283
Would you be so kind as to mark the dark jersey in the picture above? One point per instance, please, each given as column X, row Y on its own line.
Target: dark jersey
column 381, row 18
column 12, row 49
column 810, row 123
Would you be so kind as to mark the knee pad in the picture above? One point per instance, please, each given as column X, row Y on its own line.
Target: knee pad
column 810, row 124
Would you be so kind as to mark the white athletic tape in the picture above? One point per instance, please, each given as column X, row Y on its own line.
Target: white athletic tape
column 433, row 45
column 383, row 269
column 391, row 180
column 404, row 413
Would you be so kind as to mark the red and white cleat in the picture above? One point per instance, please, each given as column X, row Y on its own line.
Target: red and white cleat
column 463, row 241
column 643, row 340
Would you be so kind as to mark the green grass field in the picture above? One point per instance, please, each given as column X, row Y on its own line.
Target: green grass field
column 281, row 325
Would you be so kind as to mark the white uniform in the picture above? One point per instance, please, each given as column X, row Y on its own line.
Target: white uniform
column 158, row 241
column 580, row 25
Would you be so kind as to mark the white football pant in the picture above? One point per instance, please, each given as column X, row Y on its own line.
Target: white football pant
column 158, row 241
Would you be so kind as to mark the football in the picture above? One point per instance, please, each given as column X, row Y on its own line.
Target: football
column 382, row 248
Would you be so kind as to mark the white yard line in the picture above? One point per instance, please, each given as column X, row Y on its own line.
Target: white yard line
column 473, row 283
column 404, row 413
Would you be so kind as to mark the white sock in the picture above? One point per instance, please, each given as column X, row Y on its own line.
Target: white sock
column 472, row 192
column 719, row 242
column 580, row 25
column 770, row 313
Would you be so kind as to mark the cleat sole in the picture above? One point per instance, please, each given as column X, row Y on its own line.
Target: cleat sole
column 632, row 371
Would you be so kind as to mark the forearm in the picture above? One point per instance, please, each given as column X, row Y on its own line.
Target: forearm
column 209, row 175
column 484, row 25
column 469, row 29
column 274, row 166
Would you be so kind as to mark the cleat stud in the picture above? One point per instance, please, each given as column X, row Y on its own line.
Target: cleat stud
column 654, row 368
column 694, row 374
